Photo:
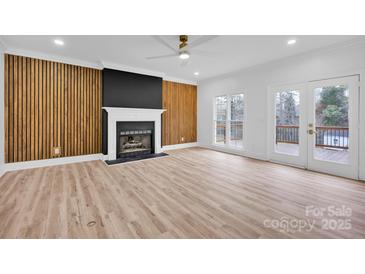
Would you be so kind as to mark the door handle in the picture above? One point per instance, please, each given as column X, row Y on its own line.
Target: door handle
column 311, row 131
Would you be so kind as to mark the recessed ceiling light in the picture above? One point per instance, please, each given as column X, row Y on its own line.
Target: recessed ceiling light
column 196, row 73
column 58, row 42
column 292, row 42
column 184, row 55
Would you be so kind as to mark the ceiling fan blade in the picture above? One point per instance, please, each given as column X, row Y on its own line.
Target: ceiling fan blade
column 205, row 53
column 161, row 56
column 163, row 42
column 202, row 40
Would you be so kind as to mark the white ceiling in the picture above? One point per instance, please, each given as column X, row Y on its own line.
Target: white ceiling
column 221, row 54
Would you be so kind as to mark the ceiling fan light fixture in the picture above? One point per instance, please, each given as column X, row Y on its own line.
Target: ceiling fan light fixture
column 184, row 55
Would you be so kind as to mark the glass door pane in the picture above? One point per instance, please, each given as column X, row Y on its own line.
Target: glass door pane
column 333, row 116
column 220, row 120
column 236, row 120
column 287, row 111
column 331, row 124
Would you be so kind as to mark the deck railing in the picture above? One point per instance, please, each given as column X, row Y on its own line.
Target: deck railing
column 287, row 134
column 236, row 130
column 326, row 136
column 337, row 137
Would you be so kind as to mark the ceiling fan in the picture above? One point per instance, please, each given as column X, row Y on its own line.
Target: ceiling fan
column 185, row 49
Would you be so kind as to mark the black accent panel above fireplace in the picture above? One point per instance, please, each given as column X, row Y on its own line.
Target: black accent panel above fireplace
column 131, row 90
column 134, row 139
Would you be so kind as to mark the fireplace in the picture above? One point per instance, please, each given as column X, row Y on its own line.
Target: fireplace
column 141, row 125
column 134, row 139
column 134, row 143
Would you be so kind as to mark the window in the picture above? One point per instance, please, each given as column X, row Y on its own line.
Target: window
column 220, row 119
column 287, row 122
column 228, row 120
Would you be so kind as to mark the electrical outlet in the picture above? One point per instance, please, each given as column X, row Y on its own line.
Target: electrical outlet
column 56, row 151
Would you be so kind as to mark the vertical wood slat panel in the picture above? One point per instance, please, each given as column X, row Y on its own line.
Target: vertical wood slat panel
column 86, row 88
column 74, row 85
column 82, row 109
column 87, row 113
column 194, row 117
column 48, row 104
column 44, row 107
column 28, row 116
column 90, row 114
column 55, row 104
column 32, row 110
column 67, row 111
column 15, row 94
column 40, row 112
column 179, row 120
column 99, row 83
column 180, row 116
column 51, row 107
column 70, row 110
column 97, row 113
column 175, row 107
column 6, row 105
column 36, row 110
column 78, row 115
column 10, row 124
column 20, row 108
column 58, row 105
column 64, row 111
column 9, row 101
column 24, row 109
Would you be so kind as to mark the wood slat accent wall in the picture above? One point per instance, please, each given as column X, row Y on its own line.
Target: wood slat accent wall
column 179, row 119
column 50, row 104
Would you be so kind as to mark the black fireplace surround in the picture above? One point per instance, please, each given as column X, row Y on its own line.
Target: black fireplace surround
column 135, row 139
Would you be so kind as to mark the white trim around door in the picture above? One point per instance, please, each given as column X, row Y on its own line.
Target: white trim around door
column 297, row 140
column 275, row 153
column 343, row 162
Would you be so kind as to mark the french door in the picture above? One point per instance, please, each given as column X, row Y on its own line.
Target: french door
column 315, row 125
column 287, row 125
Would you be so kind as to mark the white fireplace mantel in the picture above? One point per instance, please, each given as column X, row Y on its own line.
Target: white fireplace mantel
column 131, row 115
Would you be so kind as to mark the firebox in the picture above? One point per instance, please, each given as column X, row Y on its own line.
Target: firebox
column 134, row 139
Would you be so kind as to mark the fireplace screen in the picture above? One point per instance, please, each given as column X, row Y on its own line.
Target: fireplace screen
column 135, row 142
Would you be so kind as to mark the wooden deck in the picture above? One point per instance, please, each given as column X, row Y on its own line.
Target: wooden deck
column 193, row 193
column 320, row 153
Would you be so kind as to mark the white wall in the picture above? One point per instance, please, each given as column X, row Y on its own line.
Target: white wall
column 331, row 62
column 1, row 109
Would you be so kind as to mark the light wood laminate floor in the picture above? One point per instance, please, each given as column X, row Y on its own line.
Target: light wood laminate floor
column 193, row 193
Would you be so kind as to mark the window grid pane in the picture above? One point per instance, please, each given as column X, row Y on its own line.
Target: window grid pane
column 287, row 104
column 220, row 119
column 236, row 121
column 228, row 120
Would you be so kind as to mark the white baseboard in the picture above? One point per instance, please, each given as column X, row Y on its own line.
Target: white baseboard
column 52, row 162
column 2, row 171
column 179, row 146
column 236, row 152
column 104, row 157
column 70, row 160
column 362, row 176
